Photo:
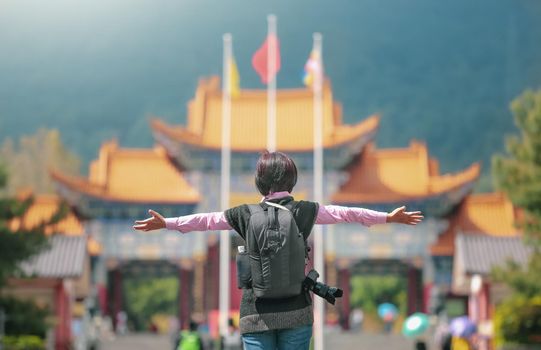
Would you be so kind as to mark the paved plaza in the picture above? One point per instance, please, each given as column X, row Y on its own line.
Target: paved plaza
column 334, row 340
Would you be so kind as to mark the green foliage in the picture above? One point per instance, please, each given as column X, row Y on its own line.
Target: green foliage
column 23, row 342
column 518, row 320
column 30, row 161
column 24, row 317
column 524, row 281
column 15, row 247
column 147, row 296
column 519, row 173
column 18, row 243
column 367, row 292
column 3, row 175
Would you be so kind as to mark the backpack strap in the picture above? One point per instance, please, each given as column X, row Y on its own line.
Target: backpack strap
column 293, row 205
column 272, row 214
column 276, row 205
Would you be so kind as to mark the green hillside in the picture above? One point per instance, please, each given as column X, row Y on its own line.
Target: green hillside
column 443, row 72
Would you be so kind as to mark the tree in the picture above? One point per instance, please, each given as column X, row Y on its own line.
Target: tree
column 149, row 295
column 519, row 175
column 19, row 243
column 369, row 291
column 29, row 161
column 24, row 318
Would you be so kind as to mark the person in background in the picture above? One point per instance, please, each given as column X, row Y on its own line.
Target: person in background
column 122, row 322
column 420, row 344
column 356, row 319
column 190, row 339
column 232, row 340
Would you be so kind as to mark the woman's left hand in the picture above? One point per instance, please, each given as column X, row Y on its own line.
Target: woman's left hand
column 154, row 222
column 401, row 216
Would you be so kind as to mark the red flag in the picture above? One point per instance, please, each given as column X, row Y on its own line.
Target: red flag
column 259, row 60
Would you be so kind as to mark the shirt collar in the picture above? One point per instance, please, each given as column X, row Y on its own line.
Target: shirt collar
column 275, row 195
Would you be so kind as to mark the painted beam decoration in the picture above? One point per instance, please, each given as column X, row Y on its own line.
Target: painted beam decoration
column 389, row 241
column 119, row 241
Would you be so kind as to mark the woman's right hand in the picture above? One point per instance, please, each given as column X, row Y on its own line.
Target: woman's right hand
column 155, row 222
column 401, row 216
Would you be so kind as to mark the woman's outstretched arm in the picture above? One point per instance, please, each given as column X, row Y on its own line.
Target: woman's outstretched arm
column 334, row 214
column 184, row 224
column 328, row 214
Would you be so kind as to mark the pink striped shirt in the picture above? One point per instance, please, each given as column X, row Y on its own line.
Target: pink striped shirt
column 328, row 214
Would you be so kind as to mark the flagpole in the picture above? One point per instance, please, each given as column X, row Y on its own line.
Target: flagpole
column 225, row 183
column 319, row 265
column 271, row 86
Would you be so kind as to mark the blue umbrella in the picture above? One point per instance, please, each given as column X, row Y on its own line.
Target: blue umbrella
column 387, row 311
column 462, row 327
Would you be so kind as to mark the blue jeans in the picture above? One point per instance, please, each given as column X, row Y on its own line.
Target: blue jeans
column 279, row 339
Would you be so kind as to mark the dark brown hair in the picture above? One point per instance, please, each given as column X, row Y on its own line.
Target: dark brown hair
column 275, row 172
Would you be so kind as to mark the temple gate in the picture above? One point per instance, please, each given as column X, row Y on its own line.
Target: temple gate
column 182, row 175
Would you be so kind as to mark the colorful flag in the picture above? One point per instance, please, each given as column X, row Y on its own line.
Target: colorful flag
column 234, row 78
column 312, row 68
column 260, row 59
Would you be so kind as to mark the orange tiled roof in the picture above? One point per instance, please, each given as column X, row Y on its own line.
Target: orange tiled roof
column 489, row 213
column 42, row 209
column 392, row 175
column 134, row 175
column 294, row 120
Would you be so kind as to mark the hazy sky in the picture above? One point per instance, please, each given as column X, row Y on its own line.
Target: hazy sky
column 99, row 69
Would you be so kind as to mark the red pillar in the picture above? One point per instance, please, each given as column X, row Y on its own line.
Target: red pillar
column 344, row 276
column 212, row 294
column 117, row 294
column 185, row 302
column 414, row 290
column 110, row 294
column 62, row 313
column 427, row 290
column 102, row 298
column 484, row 303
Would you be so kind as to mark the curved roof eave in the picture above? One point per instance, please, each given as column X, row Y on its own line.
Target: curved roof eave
column 85, row 187
column 466, row 176
column 183, row 136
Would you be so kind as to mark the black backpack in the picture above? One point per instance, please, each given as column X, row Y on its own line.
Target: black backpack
column 276, row 251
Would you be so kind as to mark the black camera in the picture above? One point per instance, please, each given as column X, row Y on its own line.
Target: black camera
column 326, row 292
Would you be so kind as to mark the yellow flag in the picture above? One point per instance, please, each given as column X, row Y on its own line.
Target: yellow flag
column 312, row 69
column 234, row 78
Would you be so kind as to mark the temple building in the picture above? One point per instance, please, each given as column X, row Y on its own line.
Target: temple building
column 181, row 175
column 488, row 214
column 121, row 186
column 482, row 233
column 197, row 145
column 58, row 277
